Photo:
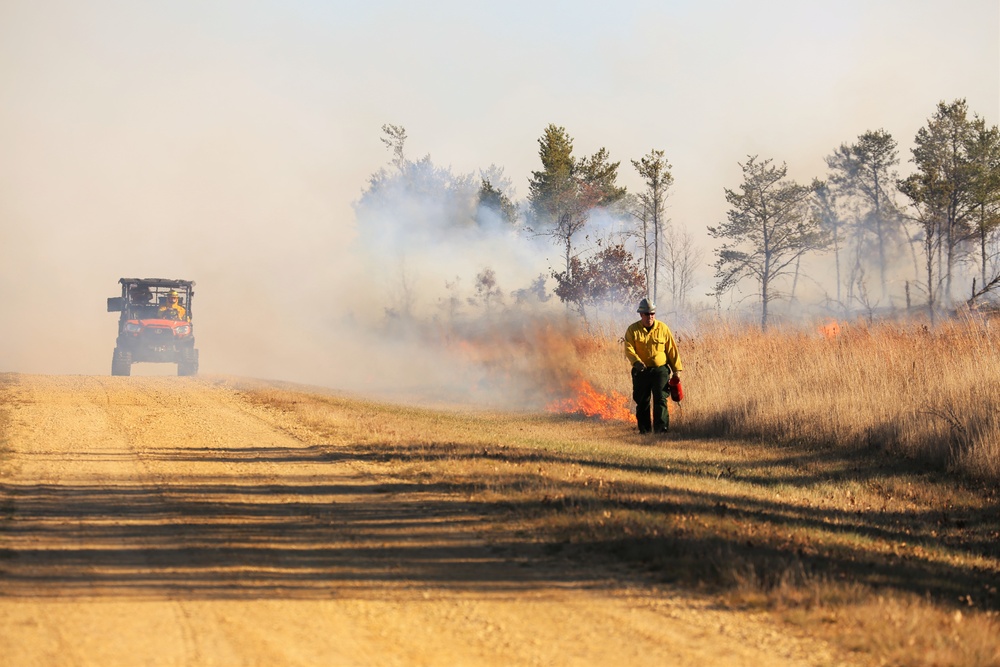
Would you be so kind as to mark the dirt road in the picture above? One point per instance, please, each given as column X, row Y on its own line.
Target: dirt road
column 165, row 521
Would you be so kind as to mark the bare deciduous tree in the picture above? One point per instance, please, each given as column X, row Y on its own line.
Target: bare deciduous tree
column 682, row 258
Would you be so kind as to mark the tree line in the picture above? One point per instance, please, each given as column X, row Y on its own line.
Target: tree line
column 617, row 246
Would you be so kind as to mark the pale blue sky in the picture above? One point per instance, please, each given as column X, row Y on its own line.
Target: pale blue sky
column 225, row 140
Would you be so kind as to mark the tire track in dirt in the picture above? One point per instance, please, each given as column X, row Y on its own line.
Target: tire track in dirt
column 166, row 521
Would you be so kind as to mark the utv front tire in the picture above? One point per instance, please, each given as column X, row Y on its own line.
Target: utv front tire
column 188, row 364
column 121, row 362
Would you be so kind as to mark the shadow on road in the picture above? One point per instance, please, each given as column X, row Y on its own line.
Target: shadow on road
column 237, row 536
column 231, row 537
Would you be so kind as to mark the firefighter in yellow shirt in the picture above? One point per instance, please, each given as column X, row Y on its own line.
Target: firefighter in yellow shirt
column 172, row 309
column 652, row 351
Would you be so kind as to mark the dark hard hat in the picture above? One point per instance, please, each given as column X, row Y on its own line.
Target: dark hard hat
column 646, row 306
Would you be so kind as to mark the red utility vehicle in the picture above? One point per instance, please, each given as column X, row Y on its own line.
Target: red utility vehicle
column 149, row 330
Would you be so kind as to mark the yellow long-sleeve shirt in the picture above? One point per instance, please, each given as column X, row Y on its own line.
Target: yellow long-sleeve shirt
column 653, row 347
column 181, row 311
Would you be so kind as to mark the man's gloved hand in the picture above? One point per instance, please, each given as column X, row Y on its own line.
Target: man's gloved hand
column 637, row 368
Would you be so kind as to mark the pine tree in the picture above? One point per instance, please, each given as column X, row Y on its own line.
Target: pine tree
column 940, row 189
column 564, row 192
column 767, row 230
column 862, row 173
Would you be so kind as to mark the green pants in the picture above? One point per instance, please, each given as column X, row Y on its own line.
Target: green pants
column 650, row 386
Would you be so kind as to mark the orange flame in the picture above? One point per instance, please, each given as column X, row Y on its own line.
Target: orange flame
column 830, row 330
column 588, row 401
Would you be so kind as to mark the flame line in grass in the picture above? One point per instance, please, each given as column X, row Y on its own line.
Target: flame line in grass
column 586, row 400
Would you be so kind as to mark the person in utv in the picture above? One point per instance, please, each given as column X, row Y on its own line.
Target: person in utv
column 172, row 309
column 652, row 351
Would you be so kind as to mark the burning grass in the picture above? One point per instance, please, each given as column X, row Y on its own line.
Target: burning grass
column 589, row 402
column 907, row 390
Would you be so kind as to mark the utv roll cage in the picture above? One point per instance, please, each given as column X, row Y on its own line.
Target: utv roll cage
column 142, row 297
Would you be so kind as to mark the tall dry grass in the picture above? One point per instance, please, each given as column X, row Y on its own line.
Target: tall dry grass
column 906, row 389
column 6, row 379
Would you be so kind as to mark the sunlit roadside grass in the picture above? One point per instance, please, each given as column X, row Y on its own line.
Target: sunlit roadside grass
column 6, row 504
column 845, row 542
column 913, row 391
column 6, row 380
column 903, row 388
column 909, row 390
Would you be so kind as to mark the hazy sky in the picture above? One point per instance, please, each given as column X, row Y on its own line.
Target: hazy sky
column 226, row 141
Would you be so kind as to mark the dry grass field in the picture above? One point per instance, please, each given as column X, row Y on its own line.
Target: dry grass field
column 847, row 483
column 911, row 392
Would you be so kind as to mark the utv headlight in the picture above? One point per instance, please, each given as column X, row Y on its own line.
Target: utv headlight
column 183, row 330
column 132, row 327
